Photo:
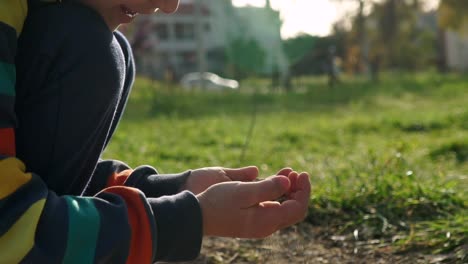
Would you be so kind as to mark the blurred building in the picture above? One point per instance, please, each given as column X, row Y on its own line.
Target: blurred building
column 456, row 49
column 453, row 45
column 263, row 24
column 165, row 45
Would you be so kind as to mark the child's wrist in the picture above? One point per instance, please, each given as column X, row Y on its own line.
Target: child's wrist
column 206, row 229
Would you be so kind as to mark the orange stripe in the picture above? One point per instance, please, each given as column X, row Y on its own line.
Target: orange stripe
column 141, row 247
column 118, row 179
column 7, row 142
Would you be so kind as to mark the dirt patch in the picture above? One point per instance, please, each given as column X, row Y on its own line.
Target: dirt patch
column 304, row 243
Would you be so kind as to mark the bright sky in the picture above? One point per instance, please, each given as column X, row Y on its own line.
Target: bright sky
column 310, row 16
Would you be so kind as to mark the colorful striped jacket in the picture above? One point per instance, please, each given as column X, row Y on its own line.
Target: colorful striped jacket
column 117, row 225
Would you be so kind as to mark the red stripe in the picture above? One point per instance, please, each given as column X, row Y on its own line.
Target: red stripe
column 118, row 179
column 141, row 246
column 7, row 142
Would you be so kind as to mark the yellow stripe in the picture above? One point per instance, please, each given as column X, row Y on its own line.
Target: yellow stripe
column 13, row 13
column 19, row 239
column 12, row 175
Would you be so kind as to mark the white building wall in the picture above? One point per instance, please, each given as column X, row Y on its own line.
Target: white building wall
column 456, row 46
column 169, row 50
column 221, row 24
column 258, row 26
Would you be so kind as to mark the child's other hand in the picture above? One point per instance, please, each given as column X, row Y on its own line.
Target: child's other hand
column 200, row 179
column 248, row 209
column 293, row 178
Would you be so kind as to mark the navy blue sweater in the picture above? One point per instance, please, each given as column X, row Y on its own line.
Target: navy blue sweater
column 61, row 203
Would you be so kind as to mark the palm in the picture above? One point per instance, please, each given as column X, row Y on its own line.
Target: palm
column 239, row 209
column 200, row 179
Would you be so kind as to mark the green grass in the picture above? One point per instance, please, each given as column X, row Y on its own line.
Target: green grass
column 389, row 159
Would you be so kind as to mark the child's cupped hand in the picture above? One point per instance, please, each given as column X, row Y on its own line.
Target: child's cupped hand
column 249, row 209
column 200, row 179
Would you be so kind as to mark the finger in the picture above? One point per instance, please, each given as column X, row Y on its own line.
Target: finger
column 296, row 207
column 242, row 174
column 272, row 216
column 293, row 179
column 284, row 171
column 302, row 189
column 293, row 211
column 270, row 204
column 252, row 193
column 303, row 182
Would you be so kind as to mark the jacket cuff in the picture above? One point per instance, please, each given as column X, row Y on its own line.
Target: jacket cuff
column 152, row 184
column 103, row 171
column 178, row 226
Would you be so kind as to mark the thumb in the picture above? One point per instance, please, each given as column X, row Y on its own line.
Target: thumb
column 242, row 174
column 253, row 193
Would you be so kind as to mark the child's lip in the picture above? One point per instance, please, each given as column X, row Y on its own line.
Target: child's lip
column 128, row 12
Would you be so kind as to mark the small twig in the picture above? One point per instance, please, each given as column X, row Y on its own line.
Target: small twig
column 232, row 258
column 251, row 129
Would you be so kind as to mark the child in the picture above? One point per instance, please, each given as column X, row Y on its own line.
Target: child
column 74, row 76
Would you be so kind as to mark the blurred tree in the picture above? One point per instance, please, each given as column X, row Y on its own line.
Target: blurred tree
column 452, row 16
column 406, row 37
column 360, row 43
column 453, row 13
column 296, row 48
column 387, row 21
column 245, row 56
column 310, row 54
column 398, row 36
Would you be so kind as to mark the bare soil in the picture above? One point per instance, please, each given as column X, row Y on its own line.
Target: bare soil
column 305, row 243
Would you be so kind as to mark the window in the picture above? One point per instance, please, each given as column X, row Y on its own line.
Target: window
column 162, row 31
column 184, row 31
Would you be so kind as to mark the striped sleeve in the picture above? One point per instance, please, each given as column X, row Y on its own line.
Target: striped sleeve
column 12, row 16
column 178, row 213
column 145, row 178
column 37, row 226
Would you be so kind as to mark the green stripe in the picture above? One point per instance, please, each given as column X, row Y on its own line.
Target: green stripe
column 7, row 78
column 83, row 230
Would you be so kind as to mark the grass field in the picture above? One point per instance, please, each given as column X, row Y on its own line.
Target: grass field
column 388, row 161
